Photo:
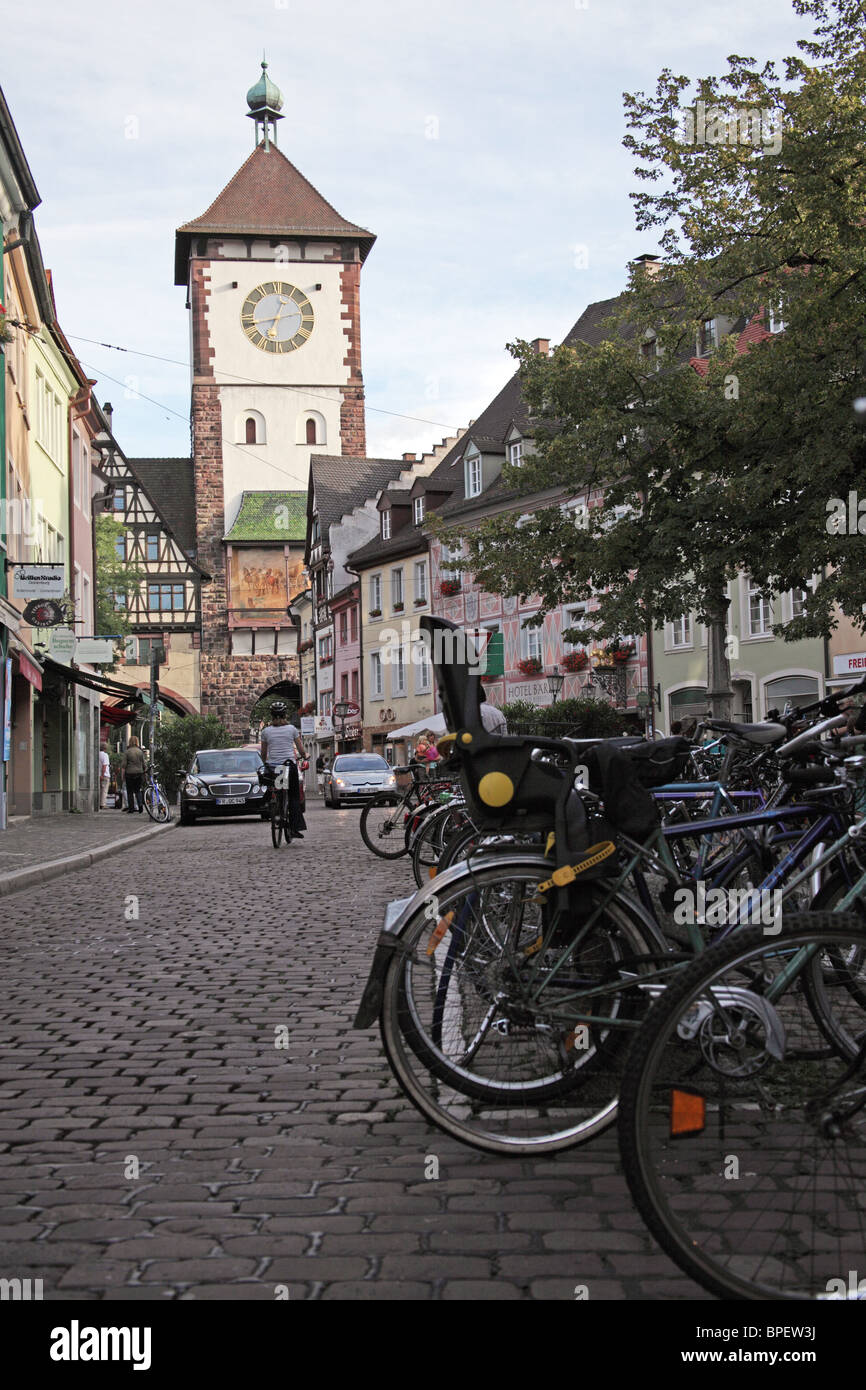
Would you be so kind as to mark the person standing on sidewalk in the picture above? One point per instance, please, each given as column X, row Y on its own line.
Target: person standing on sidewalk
column 132, row 769
column 104, row 776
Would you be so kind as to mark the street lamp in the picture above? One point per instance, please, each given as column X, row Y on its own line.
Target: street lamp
column 555, row 683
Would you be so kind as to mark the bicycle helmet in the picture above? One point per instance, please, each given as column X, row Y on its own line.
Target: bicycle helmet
column 278, row 708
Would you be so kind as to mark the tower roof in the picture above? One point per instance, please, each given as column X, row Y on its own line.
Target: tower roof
column 267, row 197
column 265, row 94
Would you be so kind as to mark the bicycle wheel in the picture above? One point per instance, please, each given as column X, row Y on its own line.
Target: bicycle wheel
column 277, row 816
column 429, row 841
column 743, row 1146
column 155, row 804
column 383, row 828
column 503, row 1022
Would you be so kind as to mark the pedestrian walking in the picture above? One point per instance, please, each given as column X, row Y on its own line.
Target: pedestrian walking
column 104, row 776
column 132, row 770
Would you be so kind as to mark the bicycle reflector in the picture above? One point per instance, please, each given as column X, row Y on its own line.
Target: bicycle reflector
column 688, row 1113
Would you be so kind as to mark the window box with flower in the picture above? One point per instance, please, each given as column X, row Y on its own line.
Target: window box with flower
column 449, row 587
column 615, row 653
column 531, row 666
column 375, row 612
column 6, row 334
column 397, row 607
column 574, row 661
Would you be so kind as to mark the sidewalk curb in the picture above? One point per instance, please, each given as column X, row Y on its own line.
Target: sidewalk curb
column 54, row 868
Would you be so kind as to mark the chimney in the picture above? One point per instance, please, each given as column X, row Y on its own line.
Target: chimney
column 107, row 412
column 651, row 265
column 541, row 346
column 409, row 458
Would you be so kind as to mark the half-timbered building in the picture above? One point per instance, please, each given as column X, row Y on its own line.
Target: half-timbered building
column 154, row 501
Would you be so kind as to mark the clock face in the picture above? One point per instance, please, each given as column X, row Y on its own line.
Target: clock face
column 277, row 317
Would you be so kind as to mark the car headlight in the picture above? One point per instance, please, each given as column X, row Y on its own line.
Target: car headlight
column 391, row 780
column 339, row 781
column 193, row 788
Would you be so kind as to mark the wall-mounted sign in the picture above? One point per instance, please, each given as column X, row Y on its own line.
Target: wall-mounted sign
column 39, row 581
column 308, row 725
column 534, row 692
column 346, row 709
column 94, row 651
column 63, row 644
column 854, row 664
column 324, row 725
column 44, row 612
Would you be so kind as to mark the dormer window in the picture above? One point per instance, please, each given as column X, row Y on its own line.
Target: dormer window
column 708, row 338
column 775, row 322
column 473, row 476
column 386, row 526
column 515, row 453
column 418, row 510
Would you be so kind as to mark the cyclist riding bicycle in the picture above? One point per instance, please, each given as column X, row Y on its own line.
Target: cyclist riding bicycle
column 280, row 741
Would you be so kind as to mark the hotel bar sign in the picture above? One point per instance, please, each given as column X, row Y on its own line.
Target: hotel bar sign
column 39, row 581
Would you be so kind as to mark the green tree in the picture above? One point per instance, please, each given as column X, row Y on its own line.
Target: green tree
column 180, row 738
column 694, row 475
column 116, row 581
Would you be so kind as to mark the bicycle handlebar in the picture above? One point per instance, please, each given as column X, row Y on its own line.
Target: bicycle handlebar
column 836, row 721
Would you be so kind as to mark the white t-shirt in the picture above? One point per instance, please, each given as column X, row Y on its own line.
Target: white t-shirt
column 493, row 719
column 278, row 743
column 104, row 766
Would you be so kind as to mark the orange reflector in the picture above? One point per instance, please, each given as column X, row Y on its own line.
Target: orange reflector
column 536, row 946
column 439, row 931
column 431, row 872
column 688, row 1113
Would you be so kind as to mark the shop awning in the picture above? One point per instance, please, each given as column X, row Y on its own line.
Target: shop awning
column 107, row 685
column 27, row 669
column 434, row 722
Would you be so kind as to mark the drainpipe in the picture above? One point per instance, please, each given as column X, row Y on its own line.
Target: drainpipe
column 349, row 570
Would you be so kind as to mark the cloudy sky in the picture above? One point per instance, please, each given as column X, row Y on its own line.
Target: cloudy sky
column 480, row 140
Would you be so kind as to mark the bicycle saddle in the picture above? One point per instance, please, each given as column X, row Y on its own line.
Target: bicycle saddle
column 749, row 733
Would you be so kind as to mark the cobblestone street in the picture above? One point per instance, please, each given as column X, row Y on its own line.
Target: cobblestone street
column 150, row 1043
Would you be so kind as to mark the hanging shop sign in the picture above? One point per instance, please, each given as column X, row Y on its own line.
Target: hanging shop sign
column 44, row 612
column 63, row 644
column 39, row 581
column 94, row 651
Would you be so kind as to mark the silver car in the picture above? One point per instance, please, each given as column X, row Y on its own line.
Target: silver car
column 355, row 777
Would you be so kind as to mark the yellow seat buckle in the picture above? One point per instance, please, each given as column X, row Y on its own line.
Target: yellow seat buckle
column 569, row 872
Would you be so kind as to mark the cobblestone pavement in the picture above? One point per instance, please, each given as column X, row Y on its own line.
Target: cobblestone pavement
column 155, row 1144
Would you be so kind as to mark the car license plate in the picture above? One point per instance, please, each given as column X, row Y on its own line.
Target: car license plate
column 231, row 800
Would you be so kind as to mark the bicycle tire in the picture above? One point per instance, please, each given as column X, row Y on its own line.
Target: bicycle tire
column 161, row 812
column 276, row 817
column 399, row 844
column 430, row 839
column 790, row 1223
column 479, row 1104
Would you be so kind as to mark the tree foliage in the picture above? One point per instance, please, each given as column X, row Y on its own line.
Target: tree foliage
column 180, row 739
column 734, row 468
column 115, row 579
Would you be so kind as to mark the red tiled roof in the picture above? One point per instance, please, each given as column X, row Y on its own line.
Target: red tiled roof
column 269, row 196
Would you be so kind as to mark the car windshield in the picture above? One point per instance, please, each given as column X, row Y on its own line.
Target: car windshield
column 230, row 760
column 369, row 762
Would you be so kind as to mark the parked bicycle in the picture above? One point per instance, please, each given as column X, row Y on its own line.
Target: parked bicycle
column 156, row 802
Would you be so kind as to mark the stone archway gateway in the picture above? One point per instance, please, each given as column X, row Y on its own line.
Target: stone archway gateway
column 287, row 690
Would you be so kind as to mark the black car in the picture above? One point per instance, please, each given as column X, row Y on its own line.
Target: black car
column 223, row 782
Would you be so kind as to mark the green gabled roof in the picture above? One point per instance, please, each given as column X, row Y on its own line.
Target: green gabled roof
column 270, row 516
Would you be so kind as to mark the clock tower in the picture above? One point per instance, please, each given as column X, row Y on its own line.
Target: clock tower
column 272, row 273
